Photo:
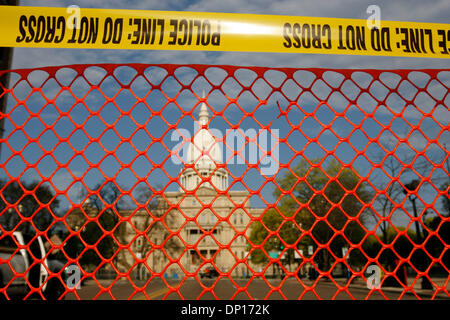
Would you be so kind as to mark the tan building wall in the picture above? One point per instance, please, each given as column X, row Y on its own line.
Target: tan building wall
column 207, row 228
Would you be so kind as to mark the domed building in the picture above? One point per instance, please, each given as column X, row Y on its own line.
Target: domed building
column 207, row 221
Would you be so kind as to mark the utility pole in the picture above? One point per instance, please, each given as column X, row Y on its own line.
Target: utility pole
column 6, row 55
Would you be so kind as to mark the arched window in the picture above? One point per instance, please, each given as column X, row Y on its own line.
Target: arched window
column 139, row 242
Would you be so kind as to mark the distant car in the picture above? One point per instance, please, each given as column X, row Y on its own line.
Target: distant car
column 209, row 272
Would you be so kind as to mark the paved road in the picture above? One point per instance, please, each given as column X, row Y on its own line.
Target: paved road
column 227, row 289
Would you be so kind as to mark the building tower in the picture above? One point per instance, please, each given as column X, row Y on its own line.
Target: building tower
column 205, row 153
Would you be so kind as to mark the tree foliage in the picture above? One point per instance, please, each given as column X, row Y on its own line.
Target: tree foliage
column 29, row 199
column 440, row 238
column 103, row 204
column 329, row 202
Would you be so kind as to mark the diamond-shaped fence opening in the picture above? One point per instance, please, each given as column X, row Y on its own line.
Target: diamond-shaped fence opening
column 223, row 182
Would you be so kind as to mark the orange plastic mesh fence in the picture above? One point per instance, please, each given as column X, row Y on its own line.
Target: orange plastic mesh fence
column 195, row 181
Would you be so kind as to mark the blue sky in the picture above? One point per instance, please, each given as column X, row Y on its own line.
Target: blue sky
column 436, row 11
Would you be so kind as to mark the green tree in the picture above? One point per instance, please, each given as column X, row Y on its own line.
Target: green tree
column 29, row 199
column 402, row 245
column 437, row 242
column 104, row 205
column 328, row 202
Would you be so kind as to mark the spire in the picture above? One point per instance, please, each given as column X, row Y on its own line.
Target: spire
column 204, row 114
column 205, row 152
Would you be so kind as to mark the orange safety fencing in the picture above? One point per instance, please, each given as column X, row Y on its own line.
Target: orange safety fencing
column 292, row 180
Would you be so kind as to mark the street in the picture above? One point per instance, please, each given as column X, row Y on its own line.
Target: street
column 224, row 288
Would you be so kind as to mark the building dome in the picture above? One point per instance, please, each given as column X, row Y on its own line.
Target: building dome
column 205, row 153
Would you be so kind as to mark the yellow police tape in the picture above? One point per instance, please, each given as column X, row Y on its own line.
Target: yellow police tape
column 169, row 30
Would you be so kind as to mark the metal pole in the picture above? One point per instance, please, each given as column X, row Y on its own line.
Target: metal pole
column 419, row 232
column 6, row 55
